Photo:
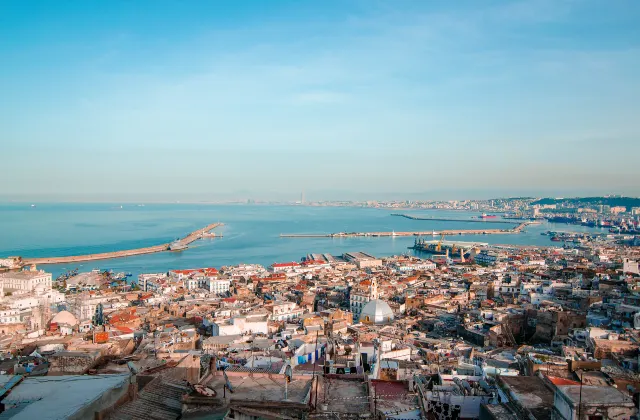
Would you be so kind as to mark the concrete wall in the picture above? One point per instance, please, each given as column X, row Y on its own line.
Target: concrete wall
column 66, row 362
column 108, row 402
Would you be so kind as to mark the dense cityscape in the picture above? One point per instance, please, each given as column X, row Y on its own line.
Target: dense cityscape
column 462, row 331
column 320, row 210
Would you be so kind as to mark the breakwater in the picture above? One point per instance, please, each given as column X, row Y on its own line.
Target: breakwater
column 448, row 232
column 440, row 219
column 182, row 243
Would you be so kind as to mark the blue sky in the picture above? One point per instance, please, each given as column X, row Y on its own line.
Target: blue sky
column 216, row 99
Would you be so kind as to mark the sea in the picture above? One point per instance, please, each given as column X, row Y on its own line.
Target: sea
column 251, row 232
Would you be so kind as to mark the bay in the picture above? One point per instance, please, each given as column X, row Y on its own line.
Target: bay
column 251, row 232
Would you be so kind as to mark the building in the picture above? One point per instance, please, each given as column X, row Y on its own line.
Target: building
column 23, row 280
column 252, row 324
column 9, row 315
column 376, row 312
column 64, row 397
column 412, row 266
column 84, row 306
column 591, row 402
column 486, row 257
column 218, row 286
column 362, row 259
column 284, row 311
column 281, row 267
column 366, row 291
column 630, row 266
column 153, row 282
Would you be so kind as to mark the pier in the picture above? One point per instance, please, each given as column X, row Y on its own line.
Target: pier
column 440, row 219
column 449, row 232
column 193, row 236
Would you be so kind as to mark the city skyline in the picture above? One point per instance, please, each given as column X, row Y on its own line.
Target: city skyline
column 361, row 100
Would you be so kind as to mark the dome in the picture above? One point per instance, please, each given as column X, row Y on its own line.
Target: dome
column 65, row 317
column 376, row 312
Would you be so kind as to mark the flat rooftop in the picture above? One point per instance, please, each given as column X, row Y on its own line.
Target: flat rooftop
column 343, row 395
column 358, row 256
column 57, row 397
column 532, row 394
column 597, row 395
column 261, row 387
column 23, row 275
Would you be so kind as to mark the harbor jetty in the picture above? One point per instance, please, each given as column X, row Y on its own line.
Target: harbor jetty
column 180, row 244
column 440, row 219
column 449, row 232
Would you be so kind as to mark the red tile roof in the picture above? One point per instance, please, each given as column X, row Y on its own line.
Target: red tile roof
column 207, row 271
column 287, row 264
column 561, row 381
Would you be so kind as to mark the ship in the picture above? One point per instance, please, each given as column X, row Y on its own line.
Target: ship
column 487, row 216
column 177, row 246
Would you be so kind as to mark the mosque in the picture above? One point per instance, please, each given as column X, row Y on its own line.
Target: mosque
column 366, row 307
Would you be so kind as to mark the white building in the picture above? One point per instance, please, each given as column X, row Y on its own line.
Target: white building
column 84, row 306
column 282, row 267
column 376, row 312
column 152, row 282
column 249, row 324
column 630, row 266
column 40, row 296
column 23, row 280
column 218, row 286
column 285, row 311
column 9, row 315
column 422, row 265
column 361, row 295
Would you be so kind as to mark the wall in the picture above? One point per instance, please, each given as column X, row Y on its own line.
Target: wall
column 67, row 362
column 100, row 408
column 477, row 338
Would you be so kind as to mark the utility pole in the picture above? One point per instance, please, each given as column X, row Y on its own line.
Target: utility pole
column 315, row 362
column 580, row 399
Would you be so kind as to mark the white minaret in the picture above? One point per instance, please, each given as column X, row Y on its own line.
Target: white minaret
column 373, row 293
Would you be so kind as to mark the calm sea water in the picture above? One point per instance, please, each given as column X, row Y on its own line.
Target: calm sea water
column 251, row 233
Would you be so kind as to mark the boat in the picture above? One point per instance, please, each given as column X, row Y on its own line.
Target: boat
column 33, row 205
column 177, row 246
column 487, row 216
column 555, row 239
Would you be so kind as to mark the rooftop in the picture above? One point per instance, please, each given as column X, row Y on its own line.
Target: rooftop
column 23, row 275
column 261, row 387
column 531, row 393
column 57, row 397
column 595, row 395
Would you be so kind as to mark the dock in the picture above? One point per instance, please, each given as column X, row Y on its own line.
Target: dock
column 190, row 238
column 450, row 232
column 440, row 219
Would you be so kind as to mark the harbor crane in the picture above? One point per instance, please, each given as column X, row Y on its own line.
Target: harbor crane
column 439, row 246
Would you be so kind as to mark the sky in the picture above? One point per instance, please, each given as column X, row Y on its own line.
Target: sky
column 340, row 98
